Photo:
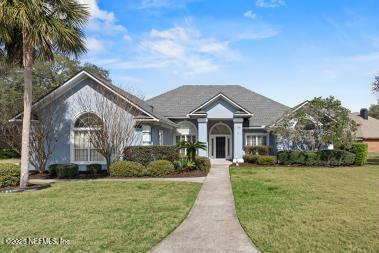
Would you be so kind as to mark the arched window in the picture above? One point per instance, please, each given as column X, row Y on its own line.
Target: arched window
column 186, row 132
column 83, row 130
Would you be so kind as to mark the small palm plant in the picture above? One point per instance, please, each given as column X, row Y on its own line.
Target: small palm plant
column 192, row 147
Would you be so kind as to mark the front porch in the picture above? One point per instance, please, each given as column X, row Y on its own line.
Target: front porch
column 223, row 137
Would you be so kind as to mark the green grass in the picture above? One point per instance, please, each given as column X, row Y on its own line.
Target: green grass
column 309, row 209
column 96, row 216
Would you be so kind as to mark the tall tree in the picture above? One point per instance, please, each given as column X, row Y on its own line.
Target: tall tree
column 373, row 111
column 319, row 122
column 375, row 84
column 32, row 29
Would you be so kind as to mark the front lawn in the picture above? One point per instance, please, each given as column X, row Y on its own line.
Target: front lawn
column 309, row 209
column 96, row 216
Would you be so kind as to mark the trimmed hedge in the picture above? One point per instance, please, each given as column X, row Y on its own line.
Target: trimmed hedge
column 266, row 160
column 9, row 175
column 258, row 150
column 160, row 168
column 7, row 153
column 147, row 154
column 127, row 169
column 361, row 152
column 203, row 163
column 249, row 158
column 68, row 170
column 94, row 168
column 314, row 158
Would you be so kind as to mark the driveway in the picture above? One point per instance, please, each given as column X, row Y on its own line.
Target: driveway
column 212, row 225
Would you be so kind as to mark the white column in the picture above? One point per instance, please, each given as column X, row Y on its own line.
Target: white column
column 146, row 135
column 238, row 140
column 202, row 126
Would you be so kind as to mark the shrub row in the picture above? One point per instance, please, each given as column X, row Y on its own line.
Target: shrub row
column 9, row 175
column 69, row 170
column 361, row 152
column 317, row 158
column 147, row 154
column 156, row 168
column 260, row 159
column 258, row 150
column 7, row 153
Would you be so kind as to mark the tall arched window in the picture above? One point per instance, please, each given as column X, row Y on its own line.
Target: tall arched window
column 83, row 129
column 186, row 132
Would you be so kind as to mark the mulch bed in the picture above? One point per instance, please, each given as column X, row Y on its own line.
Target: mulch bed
column 193, row 173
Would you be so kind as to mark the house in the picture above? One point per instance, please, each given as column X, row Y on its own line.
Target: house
column 368, row 129
column 226, row 117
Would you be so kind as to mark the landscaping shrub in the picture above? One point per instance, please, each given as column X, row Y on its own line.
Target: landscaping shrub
column 317, row 158
column 337, row 158
column 94, row 168
column 312, row 158
column 283, row 157
column 361, row 152
column 249, row 158
column 160, row 168
column 9, row 175
column 184, row 164
column 127, row 169
column 7, row 153
column 147, row 154
column 69, row 170
column 266, row 160
column 296, row 157
column 258, row 150
column 203, row 163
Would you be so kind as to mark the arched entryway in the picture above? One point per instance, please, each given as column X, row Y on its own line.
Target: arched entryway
column 220, row 141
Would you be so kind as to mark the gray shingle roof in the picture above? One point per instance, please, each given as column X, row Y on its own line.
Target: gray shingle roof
column 184, row 99
column 367, row 128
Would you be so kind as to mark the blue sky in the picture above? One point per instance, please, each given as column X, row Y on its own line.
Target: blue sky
column 288, row 50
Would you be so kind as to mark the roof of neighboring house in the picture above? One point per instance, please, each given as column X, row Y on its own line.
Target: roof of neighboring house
column 184, row 99
column 367, row 129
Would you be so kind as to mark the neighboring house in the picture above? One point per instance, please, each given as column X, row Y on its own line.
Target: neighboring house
column 226, row 117
column 368, row 129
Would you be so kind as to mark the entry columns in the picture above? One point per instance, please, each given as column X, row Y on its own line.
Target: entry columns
column 238, row 140
column 202, row 124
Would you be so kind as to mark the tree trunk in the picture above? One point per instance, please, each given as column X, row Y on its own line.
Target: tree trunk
column 27, row 64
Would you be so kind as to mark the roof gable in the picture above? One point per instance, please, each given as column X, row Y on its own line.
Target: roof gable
column 208, row 105
column 178, row 103
column 145, row 109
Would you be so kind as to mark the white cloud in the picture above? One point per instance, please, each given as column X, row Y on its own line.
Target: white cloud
column 127, row 37
column 187, row 48
column 94, row 45
column 101, row 20
column 148, row 4
column 250, row 14
column 270, row 3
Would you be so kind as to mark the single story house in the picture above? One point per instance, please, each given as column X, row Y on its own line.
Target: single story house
column 368, row 129
column 225, row 117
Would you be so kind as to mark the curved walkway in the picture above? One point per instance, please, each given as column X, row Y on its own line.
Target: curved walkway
column 212, row 225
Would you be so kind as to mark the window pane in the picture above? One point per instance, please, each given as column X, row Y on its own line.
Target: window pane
column 96, row 156
column 81, row 155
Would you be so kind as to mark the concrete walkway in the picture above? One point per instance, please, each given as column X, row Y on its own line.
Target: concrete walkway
column 175, row 179
column 212, row 225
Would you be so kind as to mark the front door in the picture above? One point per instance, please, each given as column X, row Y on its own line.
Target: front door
column 220, row 147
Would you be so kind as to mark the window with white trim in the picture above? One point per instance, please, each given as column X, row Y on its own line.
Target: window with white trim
column 185, row 132
column 256, row 140
column 83, row 149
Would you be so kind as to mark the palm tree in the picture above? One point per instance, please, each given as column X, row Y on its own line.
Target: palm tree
column 32, row 29
column 192, row 147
